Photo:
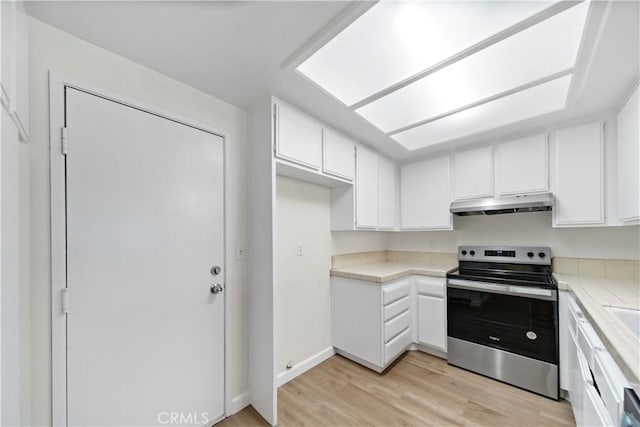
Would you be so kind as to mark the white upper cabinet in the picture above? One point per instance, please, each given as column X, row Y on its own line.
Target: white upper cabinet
column 425, row 194
column 578, row 175
column 298, row 137
column 386, row 193
column 366, row 188
column 522, row 166
column 473, row 173
column 338, row 155
column 629, row 161
column 14, row 79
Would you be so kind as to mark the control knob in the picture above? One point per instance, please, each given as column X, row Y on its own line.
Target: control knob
column 542, row 255
column 464, row 252
column 530, row 254
column 472, row 253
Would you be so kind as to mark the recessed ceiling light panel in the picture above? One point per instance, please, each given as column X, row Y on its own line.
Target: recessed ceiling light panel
column 538, row 100
column 396, row 40
column 540, row 51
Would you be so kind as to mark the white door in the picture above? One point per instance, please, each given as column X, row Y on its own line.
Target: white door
column 145, row 205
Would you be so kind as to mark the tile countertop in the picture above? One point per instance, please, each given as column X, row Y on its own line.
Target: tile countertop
column 593, row 294
column 382, row 272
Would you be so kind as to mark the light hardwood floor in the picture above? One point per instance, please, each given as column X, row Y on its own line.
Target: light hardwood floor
column 418, row 390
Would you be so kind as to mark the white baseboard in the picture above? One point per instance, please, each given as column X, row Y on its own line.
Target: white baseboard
column 428, row 350
column 304, row 366
column 238, row 403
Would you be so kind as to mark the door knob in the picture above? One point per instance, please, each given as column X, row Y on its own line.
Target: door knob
column 216, row 288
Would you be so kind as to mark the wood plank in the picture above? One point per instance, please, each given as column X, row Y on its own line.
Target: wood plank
column 419, row 390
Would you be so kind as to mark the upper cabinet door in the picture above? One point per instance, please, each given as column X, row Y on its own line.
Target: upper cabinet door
column 366, row 188
column 425, row 194
column 473, row 173
column 298, row 137
column 338, row 155
column 578, row 178
column 521, row 166
column 386, row 193
column 629, row 161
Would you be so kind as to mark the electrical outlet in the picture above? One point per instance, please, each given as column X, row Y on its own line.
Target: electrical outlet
column 300, row 248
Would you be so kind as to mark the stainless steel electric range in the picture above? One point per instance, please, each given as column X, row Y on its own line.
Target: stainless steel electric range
column 502, row 316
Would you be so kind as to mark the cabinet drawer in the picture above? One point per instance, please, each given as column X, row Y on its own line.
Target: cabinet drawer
column 595, row 413
column 394, row 294
column 575, row 316
column 397, row 345
column 588, row 341
column 394, row 326
column 431, row 286
column 611, row 384
column 395, row 308
column 584, row 375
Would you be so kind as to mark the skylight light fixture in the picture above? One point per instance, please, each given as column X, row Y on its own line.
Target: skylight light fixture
column 395, row 40
column 538, row 52
column 432, row 71
column 544, row 98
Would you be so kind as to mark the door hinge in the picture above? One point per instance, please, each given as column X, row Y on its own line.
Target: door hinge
column 65, row 300
column 64, row 141
column 275, row 128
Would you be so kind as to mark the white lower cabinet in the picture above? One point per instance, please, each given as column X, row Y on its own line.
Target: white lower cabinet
column 431, row 312
column 432, row 331
column 596, row 383
column 595, row 413
column 373, row 324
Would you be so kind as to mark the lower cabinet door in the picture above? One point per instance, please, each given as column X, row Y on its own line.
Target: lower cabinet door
column 432, row 329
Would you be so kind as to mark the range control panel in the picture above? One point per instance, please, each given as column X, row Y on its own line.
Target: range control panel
column 513, row 254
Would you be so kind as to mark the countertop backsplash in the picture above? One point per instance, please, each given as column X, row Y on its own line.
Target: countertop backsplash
column 400, row 257
column 593, row 267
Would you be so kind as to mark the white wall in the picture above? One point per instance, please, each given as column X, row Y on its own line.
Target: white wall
column 345, row 242
column 10, row 273
column 262, row 189
column 525, row 229
column 52, row 49
column 302, row 288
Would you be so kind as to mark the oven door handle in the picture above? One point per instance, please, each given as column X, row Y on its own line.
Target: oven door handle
column 520, row 291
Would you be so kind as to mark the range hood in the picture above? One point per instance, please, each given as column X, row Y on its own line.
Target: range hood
column 503, row 205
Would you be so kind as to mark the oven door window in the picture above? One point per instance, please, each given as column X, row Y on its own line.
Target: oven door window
column 516, row 324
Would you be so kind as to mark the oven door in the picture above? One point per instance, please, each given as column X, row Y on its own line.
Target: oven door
column 516, row 319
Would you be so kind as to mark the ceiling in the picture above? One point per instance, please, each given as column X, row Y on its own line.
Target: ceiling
column 243, row 51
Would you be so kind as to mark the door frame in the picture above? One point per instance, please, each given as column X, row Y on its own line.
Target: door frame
column 57, row 111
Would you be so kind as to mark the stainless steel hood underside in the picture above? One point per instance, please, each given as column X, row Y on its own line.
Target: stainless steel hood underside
column 503, row 205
